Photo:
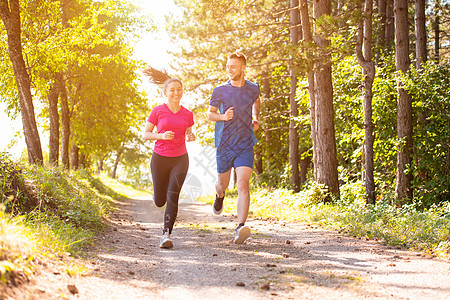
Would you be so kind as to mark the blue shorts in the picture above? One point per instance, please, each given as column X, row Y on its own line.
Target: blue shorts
column 228, row 158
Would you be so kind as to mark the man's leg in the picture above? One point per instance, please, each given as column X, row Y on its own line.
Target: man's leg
column 223, row 180
column 243, row 186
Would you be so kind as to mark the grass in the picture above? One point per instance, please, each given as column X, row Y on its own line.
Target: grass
column 48, row 213
column 415, row 229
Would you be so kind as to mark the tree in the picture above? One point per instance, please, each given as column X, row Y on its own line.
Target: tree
column 53, row 96
column 324, row 112
column 293, row 134
column 403, row 191
column 437, row 31
column 308, row 40
column 365, row 60
column 10, row 15
column 421, row 33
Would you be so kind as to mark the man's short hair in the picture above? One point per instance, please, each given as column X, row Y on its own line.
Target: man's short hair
column 238, row 55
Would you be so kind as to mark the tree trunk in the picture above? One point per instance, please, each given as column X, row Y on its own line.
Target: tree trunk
column 10, row 15
column 437, row 31
column 324, row 112
column 65, row 115
column 53, row 96
column 100, row 166
column 421, row 33
column 403, row 191
column 304, row 166
column 307, row 37
column 116, row 163
column 266, row 92
column 65, row 120
column 75, row 162
column 258, row 160
column 381, row 40
column 365, row 60
column 390, row 23
column 293, row 134
column 83, row 161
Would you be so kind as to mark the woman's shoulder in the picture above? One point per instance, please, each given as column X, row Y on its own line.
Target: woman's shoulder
column 160, row 106
column 186, row 110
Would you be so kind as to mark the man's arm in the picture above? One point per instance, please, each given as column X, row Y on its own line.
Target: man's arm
column 213, row 115
column 255, row 113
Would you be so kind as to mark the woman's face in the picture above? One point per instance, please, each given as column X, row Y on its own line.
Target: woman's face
column 174, row 92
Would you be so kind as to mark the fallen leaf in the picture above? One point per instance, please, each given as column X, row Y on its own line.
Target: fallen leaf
column 72, row 288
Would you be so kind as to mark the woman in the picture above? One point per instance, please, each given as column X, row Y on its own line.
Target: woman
column 170, row 161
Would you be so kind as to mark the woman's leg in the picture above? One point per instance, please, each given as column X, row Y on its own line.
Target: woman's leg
column 176, row 180
column 160, row 174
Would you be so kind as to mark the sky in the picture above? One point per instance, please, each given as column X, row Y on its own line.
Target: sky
column 152, row 49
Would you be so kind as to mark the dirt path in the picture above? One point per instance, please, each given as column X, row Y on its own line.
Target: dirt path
column 280, row 261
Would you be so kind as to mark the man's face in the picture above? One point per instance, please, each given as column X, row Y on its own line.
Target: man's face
column 235, row 69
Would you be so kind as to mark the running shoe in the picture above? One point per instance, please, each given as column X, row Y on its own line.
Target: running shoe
column 218, row 205
column 242, row 233
column 166, row 242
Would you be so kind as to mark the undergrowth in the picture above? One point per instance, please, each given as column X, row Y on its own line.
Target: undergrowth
column 426, row 230
column 51, row 211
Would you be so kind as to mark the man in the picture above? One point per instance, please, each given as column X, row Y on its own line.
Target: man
column 234, row 106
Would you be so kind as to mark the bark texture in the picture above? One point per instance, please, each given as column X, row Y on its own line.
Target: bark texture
column 364, row 40
column 293, row 133
column 53, row 96
column 403, row 191
column 10, row 15
column 324, row 111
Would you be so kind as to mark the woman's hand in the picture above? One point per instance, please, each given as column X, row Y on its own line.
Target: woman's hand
column 190, row 137
column 168, row 135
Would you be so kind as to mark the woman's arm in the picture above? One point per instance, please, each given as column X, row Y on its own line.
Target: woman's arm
column 190, row 136
column 149, row 135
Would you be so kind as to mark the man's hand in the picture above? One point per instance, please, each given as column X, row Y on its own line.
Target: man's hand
column 229, row 114
column 255, row 124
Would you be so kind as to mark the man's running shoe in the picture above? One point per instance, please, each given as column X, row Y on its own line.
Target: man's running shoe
column 166, row 242
column 218, row 205
column 242, row 233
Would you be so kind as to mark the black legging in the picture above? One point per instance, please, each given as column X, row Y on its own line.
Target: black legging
column 168, row 175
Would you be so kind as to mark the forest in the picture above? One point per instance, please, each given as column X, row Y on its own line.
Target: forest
column 350, row 91
column 353, row 93
column 355, row 114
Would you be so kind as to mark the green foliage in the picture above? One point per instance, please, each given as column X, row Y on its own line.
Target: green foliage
column 89, row 44
column 385, row 120
column 69, row 210
column 430, row 89
column 410, row 226
column 347, row 78
column 69, row 207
